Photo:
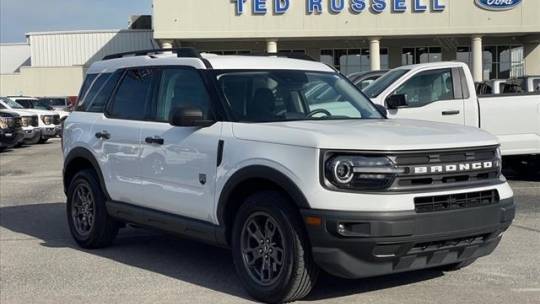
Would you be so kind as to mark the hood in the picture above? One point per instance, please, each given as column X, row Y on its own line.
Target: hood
column 40, row 112
column 379, row 134
column 21, row 112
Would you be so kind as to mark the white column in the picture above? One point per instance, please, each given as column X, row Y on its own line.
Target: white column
column 166, row 44
column 375, row 53
column 271, row 46
column 477, row 66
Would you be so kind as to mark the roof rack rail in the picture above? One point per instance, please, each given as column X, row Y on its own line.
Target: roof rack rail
column 185, row 52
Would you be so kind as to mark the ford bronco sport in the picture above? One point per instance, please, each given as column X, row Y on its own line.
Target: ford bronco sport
column 249, row 153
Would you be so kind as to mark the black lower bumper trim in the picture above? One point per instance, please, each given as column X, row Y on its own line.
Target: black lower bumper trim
column 364, row 244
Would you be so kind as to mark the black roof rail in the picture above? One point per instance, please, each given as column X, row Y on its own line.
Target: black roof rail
column 185, row 52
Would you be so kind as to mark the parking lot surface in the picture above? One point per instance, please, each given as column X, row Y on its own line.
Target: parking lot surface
column 40, row 263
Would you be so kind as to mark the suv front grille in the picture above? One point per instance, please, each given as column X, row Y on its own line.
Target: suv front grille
column 455, row 201
column 445, row 169
column 35, row 121
column 449, row 244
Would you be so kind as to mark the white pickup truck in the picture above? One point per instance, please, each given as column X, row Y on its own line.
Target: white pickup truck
column 445, row 92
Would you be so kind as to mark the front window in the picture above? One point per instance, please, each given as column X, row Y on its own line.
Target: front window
column 379, row 85
column 268, row 96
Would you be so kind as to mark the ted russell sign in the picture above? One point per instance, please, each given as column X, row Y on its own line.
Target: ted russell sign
column 279, row 7
column 497, row 5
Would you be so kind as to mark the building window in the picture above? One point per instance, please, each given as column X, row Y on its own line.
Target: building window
column 350, row 61
column 420, row 55
column 292, row 51
column 499, row 61
column 229, row 52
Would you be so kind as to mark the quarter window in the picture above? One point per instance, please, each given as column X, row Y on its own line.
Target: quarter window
column 181, row 88
column 103, row 92
column 133, row 94
column 427, row 87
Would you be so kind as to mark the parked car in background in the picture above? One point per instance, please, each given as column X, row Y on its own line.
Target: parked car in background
column 30, row 121
column 494, row 86
column 49, row 121
column 363, row 79
column 11, row 132
column 38, row 104
column 445, row 92
column 529, row 84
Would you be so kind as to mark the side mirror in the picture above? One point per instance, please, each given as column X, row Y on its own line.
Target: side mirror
column 382, row 110
column 395, row 101
column 189, row 117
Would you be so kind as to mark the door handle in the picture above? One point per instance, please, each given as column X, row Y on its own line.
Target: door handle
column 455, row 112
column 103, row 135
column 154, row 140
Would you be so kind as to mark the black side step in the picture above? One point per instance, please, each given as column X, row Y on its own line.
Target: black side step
column 172, row 223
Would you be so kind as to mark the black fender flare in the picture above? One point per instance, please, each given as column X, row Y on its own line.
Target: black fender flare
column 259, row 172
column 83, row 153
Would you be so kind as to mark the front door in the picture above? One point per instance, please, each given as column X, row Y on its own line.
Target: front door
column 432, row 95
column 179, row 164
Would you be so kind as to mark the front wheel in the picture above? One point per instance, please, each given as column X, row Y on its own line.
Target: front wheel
column 43, row 140
column 89, row 223
column 271, row 252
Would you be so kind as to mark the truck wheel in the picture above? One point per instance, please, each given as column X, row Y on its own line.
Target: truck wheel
column 43, row 140
column 456, row 266
column 271, row 252
column 89, row 223
column 32, row 141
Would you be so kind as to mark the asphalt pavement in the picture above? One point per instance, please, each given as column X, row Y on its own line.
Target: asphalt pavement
column 40, row 263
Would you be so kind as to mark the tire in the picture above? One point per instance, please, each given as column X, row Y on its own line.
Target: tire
column 32, row 141
column 297, row 274
column 99, row 229
column 456, row 266
column 43, row 140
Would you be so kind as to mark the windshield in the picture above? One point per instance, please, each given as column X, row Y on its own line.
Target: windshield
column 379, row 85
column 268, row 96
column 12, row 104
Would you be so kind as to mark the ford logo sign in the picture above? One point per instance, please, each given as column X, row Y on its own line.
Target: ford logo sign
column 498, row 5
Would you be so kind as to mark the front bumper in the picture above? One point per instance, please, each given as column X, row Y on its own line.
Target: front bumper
column 10, row 138
column 48, row 132
column 379, row 243
column 31, row 132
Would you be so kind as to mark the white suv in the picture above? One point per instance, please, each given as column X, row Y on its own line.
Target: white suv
column 49, row 121
column 241, row 151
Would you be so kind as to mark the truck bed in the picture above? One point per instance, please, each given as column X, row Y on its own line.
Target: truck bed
column 514, row 119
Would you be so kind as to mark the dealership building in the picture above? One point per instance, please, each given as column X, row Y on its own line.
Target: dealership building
column 497, row 38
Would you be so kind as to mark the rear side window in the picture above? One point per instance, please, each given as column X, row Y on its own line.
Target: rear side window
column 133, row 94
column 86, row 85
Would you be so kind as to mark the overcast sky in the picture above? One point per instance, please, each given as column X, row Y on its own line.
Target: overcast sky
column 18, row 17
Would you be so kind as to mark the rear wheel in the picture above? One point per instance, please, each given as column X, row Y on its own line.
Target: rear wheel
column 89, row 223
column 271, row 253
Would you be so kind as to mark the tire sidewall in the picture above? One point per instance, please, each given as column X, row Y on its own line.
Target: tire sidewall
column 87, row 177
column 281, row 287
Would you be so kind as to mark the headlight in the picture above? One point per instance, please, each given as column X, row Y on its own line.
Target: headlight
column 356, row 172
column 26, row 121
column 4, row 122
column 498, row 160
column 47, row 119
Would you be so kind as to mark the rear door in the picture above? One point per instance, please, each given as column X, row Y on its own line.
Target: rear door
column 434, row 95
column 118, row 134
column 179, row 164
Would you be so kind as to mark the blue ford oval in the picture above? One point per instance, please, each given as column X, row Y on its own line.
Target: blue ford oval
column 498, row 5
